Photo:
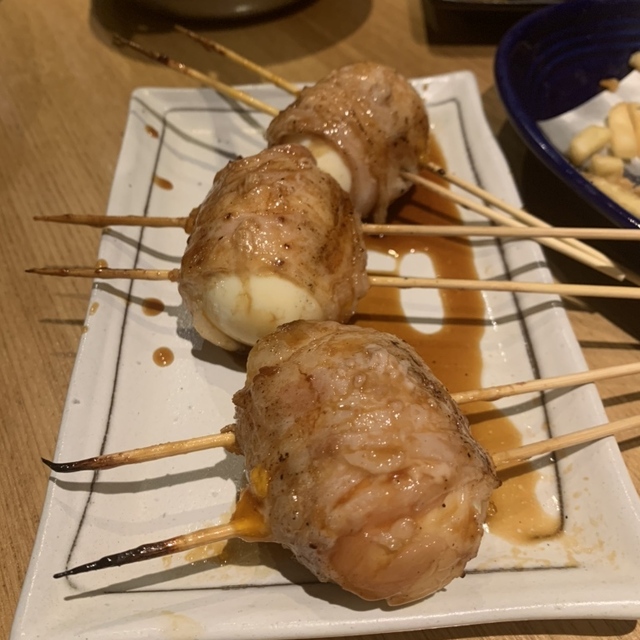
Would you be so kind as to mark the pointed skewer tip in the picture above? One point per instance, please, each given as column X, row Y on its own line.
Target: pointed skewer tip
column 65, row 467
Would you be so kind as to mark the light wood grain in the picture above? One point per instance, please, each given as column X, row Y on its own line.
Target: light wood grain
column 64, row 92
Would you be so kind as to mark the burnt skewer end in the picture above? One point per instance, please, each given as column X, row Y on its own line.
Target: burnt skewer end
column 115, row 560
column 58, row 467
column 84, row 568
column 91, row 464
column 137, row 554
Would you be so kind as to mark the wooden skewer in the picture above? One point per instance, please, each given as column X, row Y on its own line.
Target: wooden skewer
column 545, row 384
column 263, row 72
column 220, row 87
column 102, row 221
column 402, row 282
column 106, row 273
column 492, row 231
column 226, row 438
column 212, row 45
column 578, row 290
column 518, row 214
column 250, row 529
column 373, row 229
column 199, row 538
column 602, row 264
column 511, row 457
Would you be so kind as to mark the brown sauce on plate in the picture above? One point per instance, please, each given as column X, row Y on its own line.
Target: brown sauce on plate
column 152, row 306
column 453, row 351
column 163, row 356
column 163, row 183
column 151, row 131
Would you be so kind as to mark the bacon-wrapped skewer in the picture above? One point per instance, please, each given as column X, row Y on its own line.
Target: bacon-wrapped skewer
column 357, row 459
column 275, row 240
column 360, row 461
column 366, row 125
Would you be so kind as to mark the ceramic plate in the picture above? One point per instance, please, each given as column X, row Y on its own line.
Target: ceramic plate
column 120, row 398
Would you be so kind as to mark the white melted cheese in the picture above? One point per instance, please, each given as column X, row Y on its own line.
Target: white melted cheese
column 248, row 309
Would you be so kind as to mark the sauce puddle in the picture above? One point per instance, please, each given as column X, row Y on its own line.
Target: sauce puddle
column 163, row 356
column 163, row 183
column 453, row 351
column 152, row 306
column 153, row 132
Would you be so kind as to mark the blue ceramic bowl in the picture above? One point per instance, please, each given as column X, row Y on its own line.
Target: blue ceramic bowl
column 552, row 61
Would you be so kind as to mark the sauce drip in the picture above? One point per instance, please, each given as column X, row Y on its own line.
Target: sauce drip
column 249, row 523
column 93, row 308
column 517, row 514
column 206, row 552
column 101, row 264
column 163, row 183
column 152, row 306
column 151, row 131
column 163, row 356
column 453, row 352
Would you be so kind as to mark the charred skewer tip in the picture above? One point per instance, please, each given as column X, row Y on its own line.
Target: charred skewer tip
column 64, row 467
column 143, row 552
column 249, row 528
column 225, row 439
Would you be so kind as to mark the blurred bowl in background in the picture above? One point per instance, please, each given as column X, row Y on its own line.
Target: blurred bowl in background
column 552, row 61
column 215, row 9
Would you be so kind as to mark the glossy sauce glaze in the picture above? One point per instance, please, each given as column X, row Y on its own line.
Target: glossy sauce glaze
column 153, row 132
column 163, row 183
column 152, row 306
column 454, row 353
column 163, row 356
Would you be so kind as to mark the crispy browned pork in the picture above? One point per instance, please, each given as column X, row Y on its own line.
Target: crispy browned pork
column 275, row 240
column 375, row 121
column 360, row 462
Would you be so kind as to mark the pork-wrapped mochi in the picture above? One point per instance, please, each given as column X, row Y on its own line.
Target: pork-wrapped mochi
column 365, row 124
column 360, row 462
column 275, row 240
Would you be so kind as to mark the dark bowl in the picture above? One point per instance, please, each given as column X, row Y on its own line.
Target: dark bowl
column 552, row 61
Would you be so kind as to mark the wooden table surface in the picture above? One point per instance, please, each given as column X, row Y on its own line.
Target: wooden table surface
column 64, row 92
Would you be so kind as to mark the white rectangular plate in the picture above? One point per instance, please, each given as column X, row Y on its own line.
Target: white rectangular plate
column 119, row 398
